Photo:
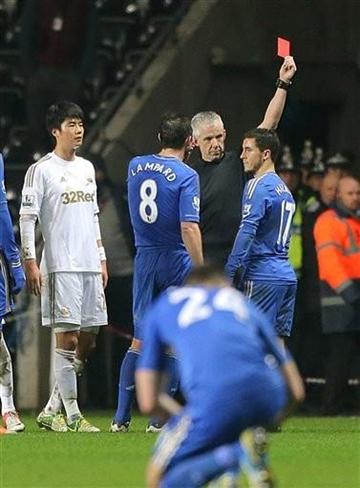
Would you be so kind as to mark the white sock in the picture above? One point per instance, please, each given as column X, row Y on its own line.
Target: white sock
column 54, row 405
column 66, row 379
column 6, row 379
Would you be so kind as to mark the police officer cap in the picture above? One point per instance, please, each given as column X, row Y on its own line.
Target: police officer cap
column 337, row 159
column 287, row 166
column 318, row 168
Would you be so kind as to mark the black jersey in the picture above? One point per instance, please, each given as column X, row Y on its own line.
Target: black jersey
column 221, row 190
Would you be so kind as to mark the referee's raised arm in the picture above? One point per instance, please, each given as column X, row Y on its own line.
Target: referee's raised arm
column 277, row 103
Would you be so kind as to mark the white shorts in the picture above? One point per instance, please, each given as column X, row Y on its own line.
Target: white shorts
column 73, row 298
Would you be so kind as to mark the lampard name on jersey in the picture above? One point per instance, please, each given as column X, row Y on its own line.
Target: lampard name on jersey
column 159, row 168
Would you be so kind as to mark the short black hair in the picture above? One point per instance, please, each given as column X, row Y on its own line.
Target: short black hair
column 265, row 139
column 173, row 131
column 206, row 272
column 58, row 112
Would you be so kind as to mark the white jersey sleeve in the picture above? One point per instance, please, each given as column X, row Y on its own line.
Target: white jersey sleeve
column 33, row 191
column 96, row 207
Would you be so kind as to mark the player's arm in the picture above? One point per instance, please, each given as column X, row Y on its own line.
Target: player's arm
column 189, row 211
column 191, row 236
column 169, row 404
column 7, row 239
column 152, row 400
column 235, row 267
column 277, row 103
column 289, row 370
column 147, row 390
column 32, row 271
column 101, row 250
column 254, row 208
column 32, row 195
column 10, row 250
column 295, row 386
column 150, row 396
column 150, row 377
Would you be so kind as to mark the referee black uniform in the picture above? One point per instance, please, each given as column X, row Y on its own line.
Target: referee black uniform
column 221, row 189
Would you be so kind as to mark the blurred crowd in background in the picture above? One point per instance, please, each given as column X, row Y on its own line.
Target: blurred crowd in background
column 81, row 50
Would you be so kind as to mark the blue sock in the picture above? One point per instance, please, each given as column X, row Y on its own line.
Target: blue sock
column 195, row 472
column 126, row 387
column 172, row 369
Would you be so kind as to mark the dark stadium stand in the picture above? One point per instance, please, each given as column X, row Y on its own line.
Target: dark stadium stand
column 127, row 31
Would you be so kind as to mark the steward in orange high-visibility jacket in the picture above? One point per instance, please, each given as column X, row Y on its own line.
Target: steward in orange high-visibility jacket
column 337, row 238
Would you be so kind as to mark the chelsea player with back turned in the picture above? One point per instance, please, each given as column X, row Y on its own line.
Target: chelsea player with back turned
column 164, row 198
column 231, row 365
column 258, row 263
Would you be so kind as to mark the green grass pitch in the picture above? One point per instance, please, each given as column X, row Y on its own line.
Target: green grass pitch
column 309, row 453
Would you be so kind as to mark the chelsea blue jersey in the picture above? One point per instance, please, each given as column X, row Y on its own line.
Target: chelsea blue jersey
column 12, row 278
column 262, row 243
column 3, row 199
column 218, row 337
column 163, row 192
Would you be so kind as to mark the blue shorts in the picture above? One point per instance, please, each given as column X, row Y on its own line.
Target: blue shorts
column 154, row 272
column 255, row 399
column 276, row 301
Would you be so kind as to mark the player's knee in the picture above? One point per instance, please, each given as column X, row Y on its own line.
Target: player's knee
column 71, row 343
column 153, row 476
column 67, row 340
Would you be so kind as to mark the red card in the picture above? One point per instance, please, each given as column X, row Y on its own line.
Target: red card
column 283, row 47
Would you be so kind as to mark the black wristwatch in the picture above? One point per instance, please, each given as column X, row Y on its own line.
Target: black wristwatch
column 284, row 85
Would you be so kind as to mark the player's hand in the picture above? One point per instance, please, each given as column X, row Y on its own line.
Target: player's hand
column 189, row 147
column 238, row 279
column 104, row 274
column 169, row 404
column 33, row 277
column 288, row 69
column 17, row 277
